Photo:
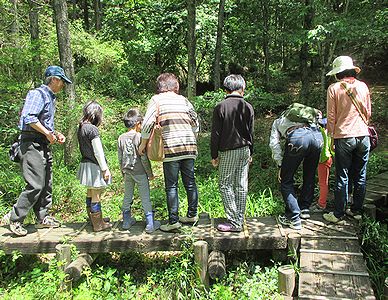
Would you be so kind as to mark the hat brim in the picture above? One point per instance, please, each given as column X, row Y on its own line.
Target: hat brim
column 65, row 79
column 341, row 69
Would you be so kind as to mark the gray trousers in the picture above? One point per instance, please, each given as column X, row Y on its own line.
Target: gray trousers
column 144, row 191
column 233, row 183
column 36, row 164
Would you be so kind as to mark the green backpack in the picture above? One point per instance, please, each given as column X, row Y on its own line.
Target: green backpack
column 301, row 113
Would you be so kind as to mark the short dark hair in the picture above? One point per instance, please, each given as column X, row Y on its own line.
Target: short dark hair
column 132, row 117
column 167, row 82
column 346, row 73
column 92, row 112
column 234, row 82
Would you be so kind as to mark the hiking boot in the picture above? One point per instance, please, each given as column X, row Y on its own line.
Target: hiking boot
column 330, row 217
column 5, row 220
column 106, row 219
column 128, row 221
column 305, row 214
column 355, row 215
column 17, row 228
column 296, row 225
column 48, row 222
column 98, row 223
column 228, row 227
column 316, row 208
column 152, row 224
column 188, row 220
column 170, row 227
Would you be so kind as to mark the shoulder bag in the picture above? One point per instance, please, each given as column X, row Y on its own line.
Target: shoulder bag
column 374, row 138
column 155, row 146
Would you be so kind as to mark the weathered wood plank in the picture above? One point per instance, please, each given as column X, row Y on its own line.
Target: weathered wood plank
column 336, row 286
column 339, row 245
column 310, row 262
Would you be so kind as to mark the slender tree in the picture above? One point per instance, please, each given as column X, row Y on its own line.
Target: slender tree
column 191, row 46
column 97, row 14
column 14, row 28
column 65, row 54
column 218, row 50
column 266, row 16
column 34, row 34
column 86, row 14
column 304, row 53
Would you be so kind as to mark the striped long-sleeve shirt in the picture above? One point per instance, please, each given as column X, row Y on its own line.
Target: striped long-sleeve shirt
column 179, row 122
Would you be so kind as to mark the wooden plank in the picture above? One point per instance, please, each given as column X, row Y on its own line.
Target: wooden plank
column 343, row 228
column 335, row 262
column 334, row 286
column 334, row 237
column 327, row 271
column 329, row 252
column 319, row 297
column 340, row 245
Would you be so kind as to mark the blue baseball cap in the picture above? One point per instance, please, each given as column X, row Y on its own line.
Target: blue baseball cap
column 58, row 72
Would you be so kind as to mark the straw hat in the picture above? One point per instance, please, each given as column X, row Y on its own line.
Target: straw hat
column 342, row 63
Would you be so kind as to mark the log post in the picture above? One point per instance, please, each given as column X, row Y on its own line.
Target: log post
column 201, row 257
column 216, row 264
column 286, row 282
column 370, row 211
column 64, row 256
column 74, row 270
column 293, row 243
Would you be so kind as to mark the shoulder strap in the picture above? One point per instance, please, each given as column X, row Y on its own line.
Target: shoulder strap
column 157, row 112
column 360, row 108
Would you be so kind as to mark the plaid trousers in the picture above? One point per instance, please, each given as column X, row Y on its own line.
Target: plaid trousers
column 233, row 183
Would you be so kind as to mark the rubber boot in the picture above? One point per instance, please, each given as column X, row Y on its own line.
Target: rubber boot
column 106, row 219
column 152, row 224
column 128, row 221
column 98, row 223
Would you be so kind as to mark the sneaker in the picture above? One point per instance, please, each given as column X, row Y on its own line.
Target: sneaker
column 188, row 220
column 48, row 222
column 305, row 213
column 170, row 227
column 330, row 217
column 296, row 225
column 5, row 220
column 17, row 228
column 316, row 208
column 227, row 227
column 355, row 215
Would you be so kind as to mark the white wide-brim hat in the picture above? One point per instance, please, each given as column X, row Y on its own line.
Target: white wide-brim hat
column 342, row 63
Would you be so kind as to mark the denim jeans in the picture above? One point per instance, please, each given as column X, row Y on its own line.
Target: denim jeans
column 351, row 158
column 171, row 172
column 302, row 144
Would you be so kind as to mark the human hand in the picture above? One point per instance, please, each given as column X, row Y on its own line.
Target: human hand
column 106, row 175
column 51, row 137
column 215, row 162
column 60, row 137
column 279, row 176
column 142, row 147
column 250, row 160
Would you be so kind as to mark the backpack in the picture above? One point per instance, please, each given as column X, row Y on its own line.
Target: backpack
column 129, row 155
column 301, row 113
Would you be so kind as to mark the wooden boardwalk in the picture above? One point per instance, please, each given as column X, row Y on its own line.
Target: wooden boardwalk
column 258, row 233
column 331, row 263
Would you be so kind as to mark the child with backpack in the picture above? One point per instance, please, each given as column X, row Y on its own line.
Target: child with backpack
column 93, row 172
column 324, row 165
column 136, row 169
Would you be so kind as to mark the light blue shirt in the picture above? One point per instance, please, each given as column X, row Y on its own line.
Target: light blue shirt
column 39, row 106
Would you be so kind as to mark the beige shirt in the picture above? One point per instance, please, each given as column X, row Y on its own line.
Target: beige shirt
column 343, row 118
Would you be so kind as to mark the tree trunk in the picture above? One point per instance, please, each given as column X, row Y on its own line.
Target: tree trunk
column 191, row 45
column 86, row 14
column 65, row 54
column 37, row 69
column 304, row 55
column 97, row 14
column 14, row 29
column 218, row 50
column 265, row 7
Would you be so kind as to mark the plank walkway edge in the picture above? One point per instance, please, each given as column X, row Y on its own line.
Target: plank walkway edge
column 317, row 297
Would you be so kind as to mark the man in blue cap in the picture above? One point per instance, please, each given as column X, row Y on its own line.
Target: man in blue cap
column 37, row 134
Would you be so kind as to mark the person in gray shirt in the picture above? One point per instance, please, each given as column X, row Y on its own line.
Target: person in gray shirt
column 136, row 169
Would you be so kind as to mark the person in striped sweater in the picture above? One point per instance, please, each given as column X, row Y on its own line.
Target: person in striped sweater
column 180, row 126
